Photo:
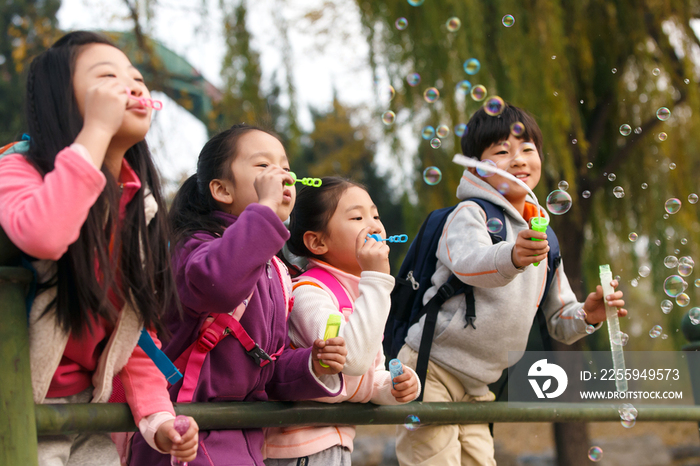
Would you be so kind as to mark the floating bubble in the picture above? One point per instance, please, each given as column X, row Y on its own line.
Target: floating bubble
column 625, row 130
column 392, row 93
column 563, row 185
column 612, row 177
column 460, row 129
column 431, row 94
column 684, row 270
column 634, row 282
column 574, row 141
column 672, row 166
column 463, row 87
column 686, row 80
column 483, row 172
column 558, row 202
column 412, row 422
column 590, row 329
column 401, row 23
column 432, row 176
column 435, row 143
column 472, row 66
column 694, row 315
column 586, row 194
column 580, row 314
column 616, row 339
column 627, row 412
column 670, row 262
column 656, row 71
column 508, row 21
column 428, row 133
column 633, row 237
column 494, row 106
column 663, row 114
column 624, row 339
column 554, row 57
column 479, row 92
column 589, row 165
column 415, row 2
column 503, row 188
column 686, row 260
column 644, row 271
column 413, row 79
column 697, row 283
column 672, row 205
column 693, row 198
column 506, row 145
column 657, row 242
column 664, row 336
column 494, row 225
column 666, row 306
column 442, row 131
column 388, row 118
column 683, row 299
column 674, row 285
column 614, row 70
column 618, row 192
column 638, row 130
column 645, row 186
column 655, row 331
column 628, row 424
column 595, row 454
column 662, row 136
column 453, row 24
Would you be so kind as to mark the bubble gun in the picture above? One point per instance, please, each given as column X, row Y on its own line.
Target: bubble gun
column 539, row 224
column 395, row 369
column 315, row 182
column 391, row 239
column 332, row 330
column 618, row 356
column 181, row 425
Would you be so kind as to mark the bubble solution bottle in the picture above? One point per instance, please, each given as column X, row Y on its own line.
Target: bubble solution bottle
column 182, row 423
column 396, row 369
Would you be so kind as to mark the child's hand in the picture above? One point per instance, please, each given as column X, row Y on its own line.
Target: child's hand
column 184, row 448
column 526, row 251
column 270, row 187
column 594, row 307
column 332, row 352
column 405, row 387
column 372, row 255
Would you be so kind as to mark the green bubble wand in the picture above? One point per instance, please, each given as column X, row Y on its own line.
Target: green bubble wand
column 314, row 182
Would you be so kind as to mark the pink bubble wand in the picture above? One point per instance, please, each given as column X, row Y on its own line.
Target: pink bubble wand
column 145, row 101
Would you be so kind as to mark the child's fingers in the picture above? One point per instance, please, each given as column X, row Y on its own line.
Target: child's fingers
column 362, row 239
column 622, row 312
column 335, row 342
column 406, row 376
column 616, row 303
column 319, row 343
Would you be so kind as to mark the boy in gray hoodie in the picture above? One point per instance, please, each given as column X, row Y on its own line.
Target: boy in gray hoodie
column 507, row 291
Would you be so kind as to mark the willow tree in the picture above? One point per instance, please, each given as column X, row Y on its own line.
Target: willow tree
column 583, row 69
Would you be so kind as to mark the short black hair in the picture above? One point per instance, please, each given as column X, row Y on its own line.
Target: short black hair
column 484, row 130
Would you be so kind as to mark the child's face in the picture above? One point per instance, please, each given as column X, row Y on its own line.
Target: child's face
column 519, row 158
column 355, row 211
column 98, row 62
column 256, row 151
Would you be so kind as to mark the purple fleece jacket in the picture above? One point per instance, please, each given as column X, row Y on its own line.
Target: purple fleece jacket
column 213, row 275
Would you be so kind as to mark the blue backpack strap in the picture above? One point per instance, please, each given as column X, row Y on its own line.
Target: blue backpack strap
column 162, row 362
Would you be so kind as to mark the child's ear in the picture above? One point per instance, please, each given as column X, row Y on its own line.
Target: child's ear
column 221, row 191
column 314, row 243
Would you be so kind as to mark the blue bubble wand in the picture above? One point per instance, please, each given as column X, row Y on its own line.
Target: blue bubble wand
column 390, row 239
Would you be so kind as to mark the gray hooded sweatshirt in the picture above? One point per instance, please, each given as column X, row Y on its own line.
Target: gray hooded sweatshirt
column 506, row 297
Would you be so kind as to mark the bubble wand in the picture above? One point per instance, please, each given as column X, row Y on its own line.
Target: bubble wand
column 618, row 356
column 539, row 223
column 315, row 182
column 390, row 239
column 145, row 101
column 181, row 425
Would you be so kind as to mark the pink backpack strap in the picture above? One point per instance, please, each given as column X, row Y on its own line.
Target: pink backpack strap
column 344, row 303
column 286, row 280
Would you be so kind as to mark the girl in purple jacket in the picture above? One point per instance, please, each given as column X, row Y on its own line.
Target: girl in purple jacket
column 227, row 222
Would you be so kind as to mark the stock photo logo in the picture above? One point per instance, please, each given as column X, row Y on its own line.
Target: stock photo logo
column 543, row 372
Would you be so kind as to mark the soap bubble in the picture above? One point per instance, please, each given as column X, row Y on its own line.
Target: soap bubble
column 614, row 70
column 627, row 412
column 563, row 185
column 590, row 329
column 672, row 166
column 686, row 260
column 684, row 241
column 662, row 136
column 663, row 114
column 694, row 315
column 392, row 93
column 657, row 242
column 633, row 237
column 508, row 21
column 644, row 271
column 674, row 285
column 388, row 118
column 666, row 306
column 428, row 132
column 517, row 129
column 432, row 176
column 460, row 129
column 624, row 339
column 616, row 339
column 697, row 283
column 494, row 225
column 483, row 172
column 479, row 92
column 554, row 57
column 415, row 2
column 401, row 23
column 634, row 282
column 625, row 130
column 628, row 424
column 431, row 94
column 574, row 141
column 435, row 143
column 612, row 177
column 506, row 145
column 685, row 269
column 618, row 192
column 412, row 422
column 580, row 314
column 693, row 198
column 453, row 24
column 413, row 79
column 645, row 186
column 595, row 454
column 472, row 66
column 655, row 331
column 586, row 194
column 558, row 202
column 463, row 87
column 686, row 80
column 670, row 262
column 494, row 106
column 656, row 71
column 638, row 130
column 683, row 299
column 589, row 165
column 672, row 205
column 442, row 131
column 503, row 188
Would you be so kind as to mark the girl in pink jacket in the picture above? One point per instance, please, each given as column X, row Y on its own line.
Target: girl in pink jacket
column 82, row 203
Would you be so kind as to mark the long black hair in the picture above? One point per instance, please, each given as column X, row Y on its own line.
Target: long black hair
column 193, row 206
column 136, row 267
